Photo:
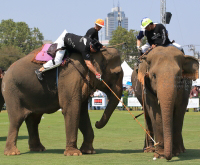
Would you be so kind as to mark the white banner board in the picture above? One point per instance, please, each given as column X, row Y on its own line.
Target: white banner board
column 133, row 102
column 193, row 103
column 99, row 101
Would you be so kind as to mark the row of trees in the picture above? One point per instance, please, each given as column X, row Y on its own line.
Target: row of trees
column 16, row 41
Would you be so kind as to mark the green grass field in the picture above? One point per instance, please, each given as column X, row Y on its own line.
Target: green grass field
column 119, row 142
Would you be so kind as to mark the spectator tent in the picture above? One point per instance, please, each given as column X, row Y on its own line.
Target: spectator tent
column 127, row 73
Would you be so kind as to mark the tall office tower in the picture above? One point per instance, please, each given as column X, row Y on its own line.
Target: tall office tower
column 114, row 19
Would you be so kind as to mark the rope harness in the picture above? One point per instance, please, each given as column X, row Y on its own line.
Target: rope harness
column 68, row 60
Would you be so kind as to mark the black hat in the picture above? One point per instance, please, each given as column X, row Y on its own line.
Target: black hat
column 95, row 44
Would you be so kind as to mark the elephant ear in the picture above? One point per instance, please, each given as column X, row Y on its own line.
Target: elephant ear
column 190, row 68
column 112, row 58
column 142, row 71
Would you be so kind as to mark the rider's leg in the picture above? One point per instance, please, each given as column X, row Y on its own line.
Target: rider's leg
column 52, row 63
column 145, row 47
column 178, row 46
column 55, row 62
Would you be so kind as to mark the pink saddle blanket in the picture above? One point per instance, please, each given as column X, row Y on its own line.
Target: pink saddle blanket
column 43, row 55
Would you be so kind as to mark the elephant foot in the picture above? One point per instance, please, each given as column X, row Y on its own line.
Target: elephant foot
column 178, row 145
column 87, row 149
column 178, row 148
column 72, row 152
column 13, row 151
column 149, row 149
column 177, row 151
column 38, row 148
column 159, row 153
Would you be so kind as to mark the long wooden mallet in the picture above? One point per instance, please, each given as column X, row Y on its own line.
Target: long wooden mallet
column 112, row 46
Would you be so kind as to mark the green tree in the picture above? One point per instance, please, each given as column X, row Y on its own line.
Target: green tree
column 8, row 55
column 128, row 52
column 20, row 35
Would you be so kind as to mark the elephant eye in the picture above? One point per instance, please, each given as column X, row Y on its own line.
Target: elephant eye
column 154, row 75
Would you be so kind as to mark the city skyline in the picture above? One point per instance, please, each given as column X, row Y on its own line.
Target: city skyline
column 114, row 19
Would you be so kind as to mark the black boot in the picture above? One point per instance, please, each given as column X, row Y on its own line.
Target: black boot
column 39, row 74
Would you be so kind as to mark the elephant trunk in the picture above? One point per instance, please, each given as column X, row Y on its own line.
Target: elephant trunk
column 166, row 96
column 112, row 104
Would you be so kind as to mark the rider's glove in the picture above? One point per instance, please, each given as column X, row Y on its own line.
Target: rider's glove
column 98, row 76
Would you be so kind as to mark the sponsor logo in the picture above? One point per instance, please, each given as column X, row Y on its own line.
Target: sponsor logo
column 155, row 36
column 84, row 40
column 98, row 101
column 70, row 42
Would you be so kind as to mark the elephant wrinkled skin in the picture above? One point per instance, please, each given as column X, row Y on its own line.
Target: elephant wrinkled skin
column 164, row 81
column 27, row 98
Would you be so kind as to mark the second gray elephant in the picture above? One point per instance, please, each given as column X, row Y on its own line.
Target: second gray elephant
column 163, row 83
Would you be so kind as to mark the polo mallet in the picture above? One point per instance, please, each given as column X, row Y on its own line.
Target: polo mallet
column 123, row 43
column 139, row 115
column 155, row 144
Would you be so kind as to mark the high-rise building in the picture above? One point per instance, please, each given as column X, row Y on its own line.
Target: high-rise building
column 114, row 19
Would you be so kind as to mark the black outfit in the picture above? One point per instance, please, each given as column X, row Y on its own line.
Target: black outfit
column 158, row 36
column 80, row 44
column 92, row 33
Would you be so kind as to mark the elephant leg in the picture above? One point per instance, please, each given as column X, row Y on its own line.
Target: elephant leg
column 178, row 146
column 71, row 113
column 87, row 131
column 156, row 121
column 158, row 132
column 148, row 143
column 16, row 119
column 32, row 122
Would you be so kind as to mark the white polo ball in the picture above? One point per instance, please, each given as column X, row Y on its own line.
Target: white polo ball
column 154, row 158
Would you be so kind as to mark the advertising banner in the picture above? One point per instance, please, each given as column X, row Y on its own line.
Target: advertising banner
column 193, row 103
column 133, row 102
column 99, row 101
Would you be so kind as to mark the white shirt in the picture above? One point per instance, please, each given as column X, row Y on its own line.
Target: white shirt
column 98, row 94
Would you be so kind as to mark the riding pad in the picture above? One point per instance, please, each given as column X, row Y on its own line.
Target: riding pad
column 42, row 56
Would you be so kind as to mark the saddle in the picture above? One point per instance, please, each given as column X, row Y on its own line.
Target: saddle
column 48, row 52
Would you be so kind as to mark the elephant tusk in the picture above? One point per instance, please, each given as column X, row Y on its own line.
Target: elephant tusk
column 158, row 102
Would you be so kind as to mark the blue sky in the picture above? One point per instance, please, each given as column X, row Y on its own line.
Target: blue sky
column 77, row 16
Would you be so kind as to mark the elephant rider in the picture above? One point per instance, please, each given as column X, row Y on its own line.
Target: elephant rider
column 73, row 43
column 93, row 32
column 156, row 34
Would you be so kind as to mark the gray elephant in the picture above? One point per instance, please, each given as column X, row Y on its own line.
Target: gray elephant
column 162, row 84
column 27, row 98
